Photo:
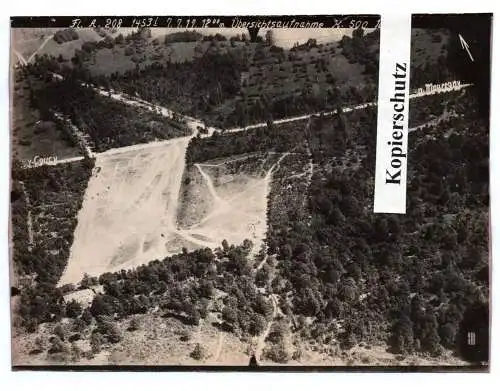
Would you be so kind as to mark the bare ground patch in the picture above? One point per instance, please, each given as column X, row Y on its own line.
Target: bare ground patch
column 227, row 199
column 129, row 211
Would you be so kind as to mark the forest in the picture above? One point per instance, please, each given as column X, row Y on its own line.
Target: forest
column 363, row 49
column 55, row 195
column 193, row 88
column 275, row 137
column 407, row 279
column 65, row 35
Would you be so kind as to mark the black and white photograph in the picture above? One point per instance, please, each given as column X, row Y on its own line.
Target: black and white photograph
column 198, row 192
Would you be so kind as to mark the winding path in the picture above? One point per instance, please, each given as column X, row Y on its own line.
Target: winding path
column 261, row 341
column 210, row 183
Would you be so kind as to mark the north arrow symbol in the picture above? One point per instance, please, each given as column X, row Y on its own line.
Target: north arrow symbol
column 465, row 46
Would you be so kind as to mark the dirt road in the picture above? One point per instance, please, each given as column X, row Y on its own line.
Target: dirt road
column 193, row 123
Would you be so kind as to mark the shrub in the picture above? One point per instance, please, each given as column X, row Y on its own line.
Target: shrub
column 199, row 352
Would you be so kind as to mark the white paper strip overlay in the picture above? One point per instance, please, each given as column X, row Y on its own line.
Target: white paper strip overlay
column 392, row 120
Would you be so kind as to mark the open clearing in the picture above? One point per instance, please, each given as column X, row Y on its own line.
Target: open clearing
column 228, row 199
column 238, row 209
column 130, row 209
column 128, row 214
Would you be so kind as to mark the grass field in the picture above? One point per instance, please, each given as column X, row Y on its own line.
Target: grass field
column 31, row 41
column 227, row 82
column 144, row 51
column 27, row 40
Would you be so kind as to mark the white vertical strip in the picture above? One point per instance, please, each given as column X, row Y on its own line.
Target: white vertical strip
column 392, row 120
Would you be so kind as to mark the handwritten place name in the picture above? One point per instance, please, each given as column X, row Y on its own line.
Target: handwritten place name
column 436, row 88
column 442, row 87
column 38, row 161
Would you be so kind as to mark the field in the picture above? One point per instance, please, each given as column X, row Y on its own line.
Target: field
column 127, row 56
column 27, row 125
column 287, row 73
column 26, row 41
column 30, row 42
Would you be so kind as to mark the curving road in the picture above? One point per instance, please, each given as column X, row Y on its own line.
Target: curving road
column 194, row 124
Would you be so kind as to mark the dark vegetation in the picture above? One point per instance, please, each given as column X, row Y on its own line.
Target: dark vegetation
column 283, row 83
column 183, row 286
column 55, row 194
column 428, row 108
column 438, row 56
column 107, row 122
column 53, row 137
column 287, row 202
column 405, row 278
column 183, row 36
column 476, row 30
column 429, row 53
column 279, row 138
column 186, row 287
column 362, row 49
column 65, row 35
column 194, row 88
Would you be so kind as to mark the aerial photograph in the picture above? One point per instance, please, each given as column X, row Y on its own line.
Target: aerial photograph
column 203, row 197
